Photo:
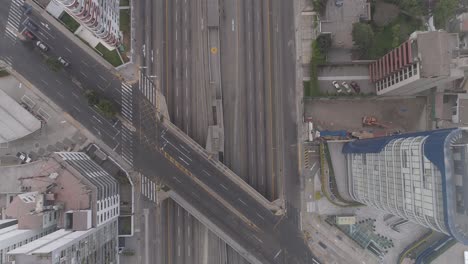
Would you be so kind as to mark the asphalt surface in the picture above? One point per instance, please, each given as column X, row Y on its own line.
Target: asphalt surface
column 67, row 86
column 275, row 240
column 272, row 235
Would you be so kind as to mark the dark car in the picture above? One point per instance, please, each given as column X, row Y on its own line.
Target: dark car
column 30, row 25
column 355, row 86
column 26, row 9
column 339, row 3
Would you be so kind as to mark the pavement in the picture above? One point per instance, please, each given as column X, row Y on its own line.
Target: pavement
column 340, row 73
column 277, row 240
column 405, row 114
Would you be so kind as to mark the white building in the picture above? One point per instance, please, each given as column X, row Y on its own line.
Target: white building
column 83, row 198
column 12, row 237
column 99, row 16
column 425, row 60
column 422, row 177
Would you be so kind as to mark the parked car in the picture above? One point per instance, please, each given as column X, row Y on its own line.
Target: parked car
column 337, row 87
column 355, row 86
column 23, row 157
column 346, row 86
column 339, row 3
column 42, row 46
column 30, row 25
column 64, row 62
column 29, row 35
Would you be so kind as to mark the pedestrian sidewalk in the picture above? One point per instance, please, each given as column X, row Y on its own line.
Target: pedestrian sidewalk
column 127, row 72
column 84, row 138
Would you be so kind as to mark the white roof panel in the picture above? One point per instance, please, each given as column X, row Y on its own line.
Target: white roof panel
column 40, row 242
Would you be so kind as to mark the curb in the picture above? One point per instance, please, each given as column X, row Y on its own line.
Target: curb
column 70, row 35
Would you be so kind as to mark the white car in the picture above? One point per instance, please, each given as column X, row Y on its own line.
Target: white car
column 63, row 62
column 337, row 87
column 42, row 46
column 23, row 157
column 346, row 86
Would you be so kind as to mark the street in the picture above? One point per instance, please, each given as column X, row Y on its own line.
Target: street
column 268, row 238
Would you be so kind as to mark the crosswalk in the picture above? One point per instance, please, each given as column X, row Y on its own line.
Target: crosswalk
column 14, row 19
column 148, row 188
column 127, row 114
column 147, row 88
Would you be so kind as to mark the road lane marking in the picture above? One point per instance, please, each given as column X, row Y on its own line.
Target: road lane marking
column 179, row 181
column 75, row 95
column 104, row 79
column 240, row 200
column 60, row 94
column 97, row 119
column 260, row 216
column 204, row 171
column 69, row 50
column 184, row 161
column 44, row 82
column 59, row 82
column 196, row 195
column 118, row 143
column 77, row 109
column 259, row 240
column 84, row 74
column 82, row 61
column 277, row 254
column 224, row 186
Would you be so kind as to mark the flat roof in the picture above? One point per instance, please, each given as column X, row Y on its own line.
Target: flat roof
column 27, row 248
column 15, row 121
column 62, row 241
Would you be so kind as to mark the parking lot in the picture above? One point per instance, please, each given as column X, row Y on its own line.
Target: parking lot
column 405, row 114
column 356, row 72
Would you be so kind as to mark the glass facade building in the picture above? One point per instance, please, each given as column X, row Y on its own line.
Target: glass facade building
column 422, row 177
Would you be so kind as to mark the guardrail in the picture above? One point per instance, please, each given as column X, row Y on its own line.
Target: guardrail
column 221, row 167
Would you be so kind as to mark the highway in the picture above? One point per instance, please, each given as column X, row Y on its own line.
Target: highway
column 269, row 238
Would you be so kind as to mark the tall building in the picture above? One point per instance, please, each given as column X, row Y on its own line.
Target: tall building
column 426, row 60
column 99, row 16
column 422, row 177
column 83, row 201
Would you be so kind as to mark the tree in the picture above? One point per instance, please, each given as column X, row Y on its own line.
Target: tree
column 363, row 37
column 54, row 64
column 92, row 96
column 396, row 35
column 107, row 108
column 324, row 42
column 319, row 6
column 443, row 11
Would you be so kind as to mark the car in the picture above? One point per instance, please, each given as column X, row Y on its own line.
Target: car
column 29, row 35
column 25, row 158
column 64, row 62
column 42, row 46
column 355, row 86
column 337, row 87
column 338, row 3
column 30, row 25
column 26, row 8
column 346, row 86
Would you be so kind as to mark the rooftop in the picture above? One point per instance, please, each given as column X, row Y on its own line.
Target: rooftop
column 434, row 48
column 15, row 121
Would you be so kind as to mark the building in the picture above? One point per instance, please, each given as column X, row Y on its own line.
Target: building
column 99, row 16
column 15, row 121
column 426, row 60
column 422, row 177
column 82, row 199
